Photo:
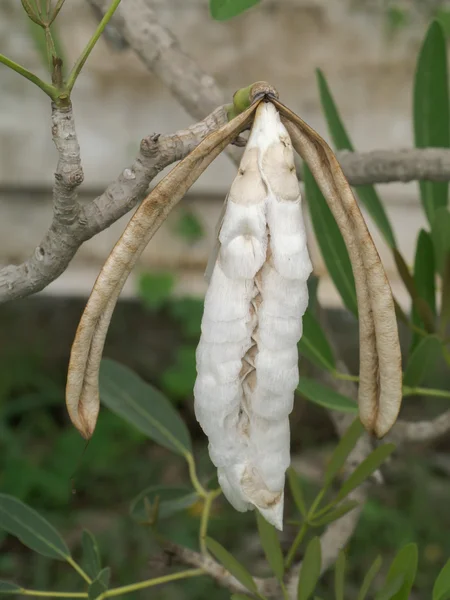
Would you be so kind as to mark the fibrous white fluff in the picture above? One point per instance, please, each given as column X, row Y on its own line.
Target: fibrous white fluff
column 247, row 359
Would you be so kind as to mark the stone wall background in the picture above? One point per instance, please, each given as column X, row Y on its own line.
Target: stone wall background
column 117, row 102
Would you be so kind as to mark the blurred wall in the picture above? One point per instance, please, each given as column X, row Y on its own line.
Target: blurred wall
column 117, row 102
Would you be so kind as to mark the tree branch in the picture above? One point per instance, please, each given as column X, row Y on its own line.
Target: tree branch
column 72, row 223
column 136, row 21
column 420, row 431
column 267, row 587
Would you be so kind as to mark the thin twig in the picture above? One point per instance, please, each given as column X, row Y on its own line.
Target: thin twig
column 45, row 87
column 65, row 235
column 90, row 45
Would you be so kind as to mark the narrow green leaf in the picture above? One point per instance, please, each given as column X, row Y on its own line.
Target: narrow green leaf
column 339, row 576
column 346, row 444
column 331, row 243
column 91, row 554
column 424, row 269
column 37, row 34
column 171, row 500
column 139, row 403
column 441, row 588
column 325, row 396
column 313, row 286
column 271, row 546
column 221, row 10
column 440, row 233
column 369, row 577
column 404, row 565
column 8, row 587
column 365, row 470
column 296, row 491
column 422, row 361
column 422, row 308
column 341, row 140
column 431, row 110
column 100, row 584
column 231, row 564
column 424, row 278
column 310, row 571
column 240, row 597
column 314, row 344
column 31, row 529
column 445, row 302
column 389, row 589
column 443, row 16
column 334, row 514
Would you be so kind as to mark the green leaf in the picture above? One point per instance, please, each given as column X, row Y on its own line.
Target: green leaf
column 221, row 10
column 339, row 576
column 91, row 555
column 440, row 233
column 271, row 546
column 231, row 564
column 8, row 587
column 310, row 571
column 423, row 310
column 346, row 444
column 314, row 344
column 389, row 589
column 404, row 565
column 365, row 470
column 296, row 491
column 341, row 140
column 424, row 269
column 171, row 500
column 313, row 286
column 424, row 279
column 334, row 514
column 331, row 243
column 369, row 577
column 143, row 406
column 443, row 16
column 31, row 529
column 422, row 361
column 325, row 396
column 37, row 34
column 155, row 289
column 100, row 584
column 240, row 597
column 441, row 588
column 445, row 296
column 431, row 111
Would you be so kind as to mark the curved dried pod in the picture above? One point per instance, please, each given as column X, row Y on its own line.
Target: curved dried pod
column 82, row 394
column 247, row 357
column 380, row 384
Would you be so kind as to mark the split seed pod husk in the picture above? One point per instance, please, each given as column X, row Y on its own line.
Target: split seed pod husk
column 82, row 393
column 247, row 356
column 380, row 379
column 380, row 359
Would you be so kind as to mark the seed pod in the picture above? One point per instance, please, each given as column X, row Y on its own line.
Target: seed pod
column 247, row 359
column 82, row 393
column 380, row 378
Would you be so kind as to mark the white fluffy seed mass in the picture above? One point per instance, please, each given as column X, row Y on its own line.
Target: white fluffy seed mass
column 247, row 358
